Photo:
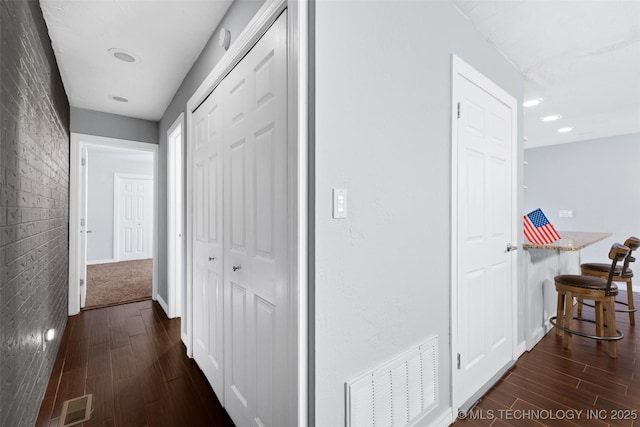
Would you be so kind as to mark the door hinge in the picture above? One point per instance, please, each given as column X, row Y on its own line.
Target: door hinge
column 458, row 110
column 458, row 360
column 81, row 282
column 84, row 161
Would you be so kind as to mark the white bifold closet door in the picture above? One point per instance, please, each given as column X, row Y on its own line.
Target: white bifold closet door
column 246, row 118
column 207, row 238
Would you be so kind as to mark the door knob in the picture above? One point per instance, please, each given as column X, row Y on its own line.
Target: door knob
column 236, row 267
column 510, row 247
column 211, row 258
column 89, row 231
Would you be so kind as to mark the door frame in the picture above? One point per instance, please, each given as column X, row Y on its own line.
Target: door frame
column 461, row 68
column 78, row 210
column 175, row 195
column 116, row 208
column 298, row 187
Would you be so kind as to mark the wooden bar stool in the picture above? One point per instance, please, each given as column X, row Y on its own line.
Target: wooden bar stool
column 601, row 291
column 622, row 274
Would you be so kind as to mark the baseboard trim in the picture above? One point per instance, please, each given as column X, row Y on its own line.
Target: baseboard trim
column 101, row 261
column 445, row 419
column 163, row 304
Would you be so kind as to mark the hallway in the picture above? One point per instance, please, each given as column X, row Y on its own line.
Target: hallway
column 131, row 359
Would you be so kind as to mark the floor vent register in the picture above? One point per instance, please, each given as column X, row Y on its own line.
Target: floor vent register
column 75, row 411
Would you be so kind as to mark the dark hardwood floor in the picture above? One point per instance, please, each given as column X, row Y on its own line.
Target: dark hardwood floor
column 131, row 359
column 582, row 386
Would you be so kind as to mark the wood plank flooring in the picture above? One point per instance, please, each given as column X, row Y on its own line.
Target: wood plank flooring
column 583, row 386
column 131, row 359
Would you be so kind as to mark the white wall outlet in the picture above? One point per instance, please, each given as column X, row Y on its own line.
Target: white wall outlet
column 339, row 203
column 566, row 213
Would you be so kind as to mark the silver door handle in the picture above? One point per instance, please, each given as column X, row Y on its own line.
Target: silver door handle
column 211, row 258
column 89, row 231
column 236, row 267
column 510, row 247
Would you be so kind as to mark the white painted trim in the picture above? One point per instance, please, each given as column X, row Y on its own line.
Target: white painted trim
column 260, row 23
column 116, row 208
column 444, row 420
column 75, row 213
column 297, row 117
column 459, row 67
column 101, row 261
column 174, row 257
column 298, row 123
column 163, row 304
column 79, row 140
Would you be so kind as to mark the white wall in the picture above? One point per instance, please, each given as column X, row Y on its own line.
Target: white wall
column 383, row 89
column 596, row 179
column 98, row 123
column 103, row 164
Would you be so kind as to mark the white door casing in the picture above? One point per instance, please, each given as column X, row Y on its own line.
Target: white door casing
column 257, row 333
column 78, row 211
column 133, row 216
column 82, row 261
column 175, row 223
column 484, row 212
column 207, row 241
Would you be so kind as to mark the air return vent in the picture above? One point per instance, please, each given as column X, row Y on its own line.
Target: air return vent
column 75, row 411
column 398, row 393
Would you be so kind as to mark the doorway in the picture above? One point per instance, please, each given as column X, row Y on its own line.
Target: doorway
column 484, row 212
column 113, row 232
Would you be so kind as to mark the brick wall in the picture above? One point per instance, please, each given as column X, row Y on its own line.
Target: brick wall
column 34, row 199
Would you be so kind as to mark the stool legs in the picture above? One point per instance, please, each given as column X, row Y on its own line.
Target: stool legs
column 610, row 312
column 599, row 318
column 567, row 320
column 605, row 320
column 560, row 313
column 632, row 315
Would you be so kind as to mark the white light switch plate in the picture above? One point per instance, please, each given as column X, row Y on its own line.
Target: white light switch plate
column 566, row 213
column 339, row 203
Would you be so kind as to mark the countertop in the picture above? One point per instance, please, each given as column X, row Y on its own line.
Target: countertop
column 571, row 241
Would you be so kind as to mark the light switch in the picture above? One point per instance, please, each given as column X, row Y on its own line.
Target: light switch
column 566, row 213
column 339, row 203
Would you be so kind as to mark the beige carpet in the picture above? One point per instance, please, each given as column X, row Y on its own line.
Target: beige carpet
column 118, row 282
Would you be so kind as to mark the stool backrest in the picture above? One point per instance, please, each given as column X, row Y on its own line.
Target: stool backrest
column 617, row 253
column 632, row 243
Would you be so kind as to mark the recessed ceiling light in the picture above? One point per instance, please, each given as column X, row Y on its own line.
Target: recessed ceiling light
column 551, row 118
column 123, row 55
column 532, row 102
column 119, row 99
column 565, row 130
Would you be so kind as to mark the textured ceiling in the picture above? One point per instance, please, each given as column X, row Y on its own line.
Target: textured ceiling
column 166, row 35
column 582, row 57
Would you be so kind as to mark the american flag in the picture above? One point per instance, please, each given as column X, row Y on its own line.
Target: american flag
column 538, row 229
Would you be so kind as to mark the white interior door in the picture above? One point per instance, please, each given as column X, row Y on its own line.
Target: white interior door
column 134, row 217
column 255, row 196
column 484, row 144
column 207, row 166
